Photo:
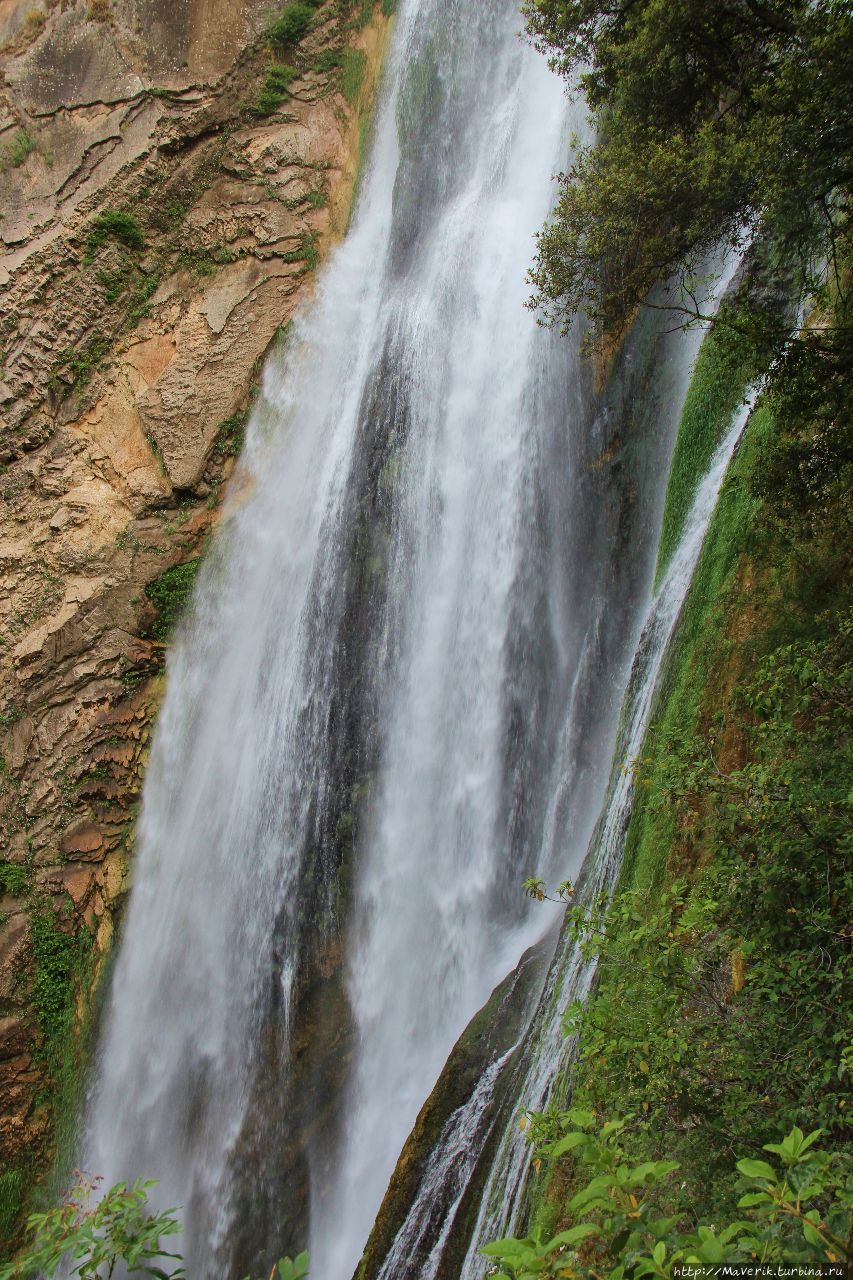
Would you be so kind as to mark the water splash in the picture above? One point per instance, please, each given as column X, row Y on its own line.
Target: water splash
column 571, row 976
column 396, row 693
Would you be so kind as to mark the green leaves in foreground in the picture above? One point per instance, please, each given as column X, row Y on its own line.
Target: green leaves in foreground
column 91, row 1236
column 297, row 1269
column 636, row 1223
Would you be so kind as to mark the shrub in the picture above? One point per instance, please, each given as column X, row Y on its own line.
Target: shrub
column 169, row 593
column 17, row 150
column 636, row 1222
column 113, row 224
column 14, row 879
column 279, row 79
column 291, row 24
column 92, row 1232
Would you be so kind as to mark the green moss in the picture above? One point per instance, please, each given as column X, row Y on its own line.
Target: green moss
column 721, row 960
column 292, row 23
column 353, row 66
column 307, row 252
column 113, row 283
column 700, row 646
column 717, row 387
column 230, row 436
column 81, row 363
column 137, row 304
column 170, row 593
column 15, row 152
column 11, row 1198
column 328, row 60
column 113, row 224
column 275, row 89
column 204, row 261
column 52, row 994
column 14, row 879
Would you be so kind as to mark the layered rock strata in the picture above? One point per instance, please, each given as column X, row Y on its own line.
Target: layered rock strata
column 157, row 232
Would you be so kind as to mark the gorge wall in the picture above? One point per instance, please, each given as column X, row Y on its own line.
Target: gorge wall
column 164, row 203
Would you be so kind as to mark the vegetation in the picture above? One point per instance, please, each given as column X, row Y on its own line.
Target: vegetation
column 724, row 368
column 113, row 224
column 724, row 958
column 15, row 152
column 278, row 80
column 170, row 593
column 713, row 123
column 292, row 23
column 353, row 66
column 634, row 1221
column 52, row 996
column 14, row 879
column 230, row 436
column 93, row 1233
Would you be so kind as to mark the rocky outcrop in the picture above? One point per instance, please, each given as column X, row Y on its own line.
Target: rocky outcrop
column 416, row 1205
column 158, row 233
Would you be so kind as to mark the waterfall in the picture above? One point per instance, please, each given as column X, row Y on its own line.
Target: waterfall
column 396, row 692
column 571, row 976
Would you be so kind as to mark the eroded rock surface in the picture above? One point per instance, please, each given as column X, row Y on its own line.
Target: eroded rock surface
column 128, row 363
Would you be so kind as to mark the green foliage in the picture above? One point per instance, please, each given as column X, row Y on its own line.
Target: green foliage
column 720, row 378
column 113, row 224
column 230, row 436
column 389, row 8
column 113, row 283
column 710, row 121
column 11, row 1197
column 15, row 152
column 52, row 998
column 137, row 304
column 278, row 80
column 14, row 879
column 94, row 1234
column 170, row 593
column 292, row 23
column 701, row 982
column 804, row 472
column 288, row 1268
column 204, row 261
column 328, row 60
column 81, row 363
column 353, row 65
column 637, row 1223
column 307, row 252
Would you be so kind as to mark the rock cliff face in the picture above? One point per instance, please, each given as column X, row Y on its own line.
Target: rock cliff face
column 157, row 232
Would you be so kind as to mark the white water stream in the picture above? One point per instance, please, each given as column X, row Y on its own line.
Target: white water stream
column 571, row 976
column 414, row 629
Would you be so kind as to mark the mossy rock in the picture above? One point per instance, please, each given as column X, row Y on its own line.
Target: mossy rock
column 170, row 593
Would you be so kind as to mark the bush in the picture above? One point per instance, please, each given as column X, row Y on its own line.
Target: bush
column 94, row 1233
column 113, row 224
column 14, row 879
column 16, row 152
column 291, row 24
column 275, row 89
column 169, row 593
column 637, row 1223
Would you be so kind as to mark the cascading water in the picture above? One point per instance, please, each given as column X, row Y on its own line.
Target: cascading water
column 397, row 690
column 456, row 1198
column 571, row 976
